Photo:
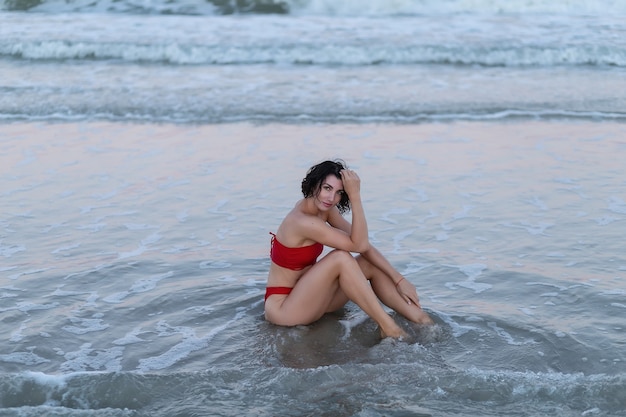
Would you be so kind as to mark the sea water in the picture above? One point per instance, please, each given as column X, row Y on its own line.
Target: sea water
column 148, row 148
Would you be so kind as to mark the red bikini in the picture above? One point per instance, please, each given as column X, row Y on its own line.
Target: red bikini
column 295, row 259
column 276, row 290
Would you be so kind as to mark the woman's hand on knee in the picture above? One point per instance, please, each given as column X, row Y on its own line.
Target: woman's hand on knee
column 408, row 292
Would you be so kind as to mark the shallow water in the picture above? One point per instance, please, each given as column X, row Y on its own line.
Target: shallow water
column 147, row 149
column 135, row 256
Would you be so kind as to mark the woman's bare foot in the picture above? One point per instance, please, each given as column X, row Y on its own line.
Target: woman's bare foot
column 423, row 318
column 396, row 333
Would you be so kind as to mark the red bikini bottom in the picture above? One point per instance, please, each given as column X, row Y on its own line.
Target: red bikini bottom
column 276, row 290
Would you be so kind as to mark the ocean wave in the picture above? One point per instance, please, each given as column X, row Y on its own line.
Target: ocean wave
column 316, row 54
column 319, row 7
column 208, row 117
column 152, row 394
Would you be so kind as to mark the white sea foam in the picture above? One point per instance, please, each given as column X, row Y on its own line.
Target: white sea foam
column 54, row 381
column 89, row 209
column 218, row 206
column 6, row 268
column 538, row 203
column 463, row 213
column 201, row 310
column 477, row 287
column 431, row 215
column 9, row 250
column 94, row 227
column 606, row 220
column 140, row 226
column 428, row 250
column 83, row 273
column 105, row 196
column 148, row 284
column 376, row 8
column 89, row 359
column 139, row 286
column 82, row 326
column 189, row 344
column 613, row 292
column 415, row 267
column 617, row 205
column 547, row 284
column 28, row 272
column 532, row 229
column 152, row 239
column 526, row 310
column 66, row 248
column 177, row 249
column 28, row 306
column 116, row 214
column 458, row 329
column 18, row 335
column 23, row 358
column 549, row 294
column 351, row 322
column 399, row 238
column 116, row 298
column 174, row 183
column 505, row 335
column 215, row 265
column 7, row 295
column 130, row 338
column 388, row 216
column 472, row 271
column 404, row 7
column 182, row 216
column 133, row 253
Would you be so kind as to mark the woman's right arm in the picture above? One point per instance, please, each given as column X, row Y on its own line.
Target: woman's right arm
column 358, row 231
column 341, row 234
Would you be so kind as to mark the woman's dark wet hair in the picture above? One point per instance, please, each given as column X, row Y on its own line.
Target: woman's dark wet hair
column 312, row 183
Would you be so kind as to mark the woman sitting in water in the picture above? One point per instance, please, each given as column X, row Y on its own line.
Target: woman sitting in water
column 300, row 289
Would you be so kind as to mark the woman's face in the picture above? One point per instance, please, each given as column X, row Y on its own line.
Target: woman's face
column 330, row 193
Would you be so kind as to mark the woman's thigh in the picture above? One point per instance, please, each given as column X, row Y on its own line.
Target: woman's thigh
column 316, row 292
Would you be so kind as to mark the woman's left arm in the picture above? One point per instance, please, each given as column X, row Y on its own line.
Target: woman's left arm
column 373, row 255
column 404, row 287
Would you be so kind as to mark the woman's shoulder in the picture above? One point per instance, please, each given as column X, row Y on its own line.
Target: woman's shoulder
column 298, row 219
column 299, row 227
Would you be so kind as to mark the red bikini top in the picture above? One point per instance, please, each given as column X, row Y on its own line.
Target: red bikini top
column 294, row 258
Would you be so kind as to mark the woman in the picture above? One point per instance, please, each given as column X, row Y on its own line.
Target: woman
column 300, row 289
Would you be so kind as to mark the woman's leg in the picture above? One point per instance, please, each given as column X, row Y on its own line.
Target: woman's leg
column 386, row 291
column 326, row 287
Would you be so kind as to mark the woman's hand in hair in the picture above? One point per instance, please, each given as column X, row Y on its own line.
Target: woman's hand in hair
column 351, row 183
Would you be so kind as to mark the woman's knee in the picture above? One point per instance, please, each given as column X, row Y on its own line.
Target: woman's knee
column 342, row 258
